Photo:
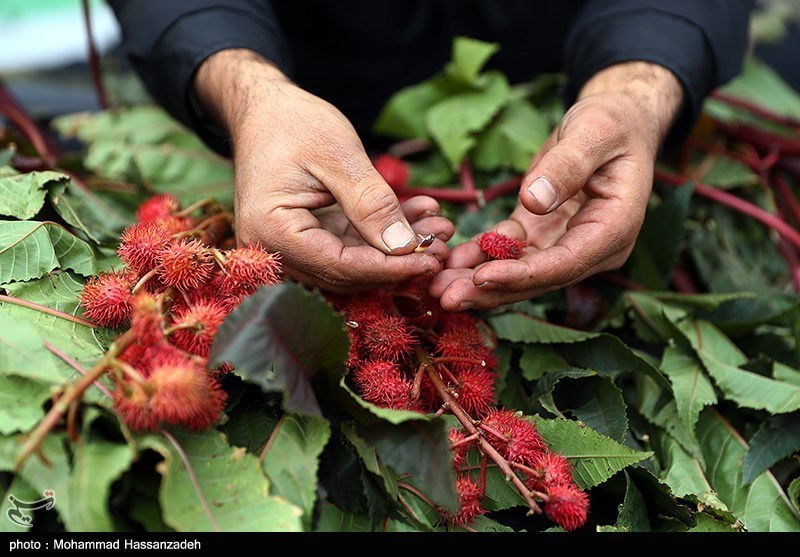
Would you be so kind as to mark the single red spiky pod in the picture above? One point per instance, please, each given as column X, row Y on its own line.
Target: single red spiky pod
column 462, row 342
column 500, row 246
column 106, row 299
column 476, row 391
column 388, row 338
column 186, row 264
column 523, row 443
column 383, row 384
column 567, row 506
column 551, row 469
column 142, row 244
column 142, row 356
column 147, row 321
column 362, row 308
column 184, row 394
column 174, row 224
column 199, row 322
column 456, row 320
column 132, row 404
column 159, row 206
column 249, row 268
column 460, row 452
column 469, row 503
column 393, row 170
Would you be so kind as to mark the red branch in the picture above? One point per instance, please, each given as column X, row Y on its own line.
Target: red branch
column 467, row 180
column 755, row 109
column 20, row 119
column 94, row 58
column 785, row 191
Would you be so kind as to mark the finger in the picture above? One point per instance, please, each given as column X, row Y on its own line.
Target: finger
column 586, row 143
column 440, row 227
column 442, row 281
column 366, row 199
column 420, row 206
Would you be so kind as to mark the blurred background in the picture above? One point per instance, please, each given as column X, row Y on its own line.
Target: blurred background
column 43, row 61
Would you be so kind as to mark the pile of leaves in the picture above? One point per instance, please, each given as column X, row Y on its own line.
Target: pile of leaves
column 665, row 396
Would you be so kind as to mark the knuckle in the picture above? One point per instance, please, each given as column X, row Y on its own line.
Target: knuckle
column 376, row 202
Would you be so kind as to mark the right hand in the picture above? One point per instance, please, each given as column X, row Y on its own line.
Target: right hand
column 304, row 186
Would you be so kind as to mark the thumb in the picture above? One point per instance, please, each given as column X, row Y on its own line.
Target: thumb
column 370, row 204
column 563, row 170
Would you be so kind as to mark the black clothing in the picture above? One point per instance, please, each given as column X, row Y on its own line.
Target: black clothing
column 356, row 53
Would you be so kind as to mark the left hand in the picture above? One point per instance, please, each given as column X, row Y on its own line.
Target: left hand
column 583, row 198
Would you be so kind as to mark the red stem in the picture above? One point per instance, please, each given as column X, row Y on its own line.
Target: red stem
column 785, row 191
column 94, row 58
column 755, row 109
column 417, row 492
column 744, row 207
column 20, row 119
column 74, row 365
column 760, row 138
column 467, row 180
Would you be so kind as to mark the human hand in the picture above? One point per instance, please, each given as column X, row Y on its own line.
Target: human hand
column 305, row 187
column 583, row 199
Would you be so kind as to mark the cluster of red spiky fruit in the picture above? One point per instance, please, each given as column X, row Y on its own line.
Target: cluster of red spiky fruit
column 181, row 279
column 407, row 353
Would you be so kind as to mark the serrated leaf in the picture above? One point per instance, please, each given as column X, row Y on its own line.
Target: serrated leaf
column 372, row 463
column 22, row 351
column 219, row 488
column 291, row 460
column 20, row 491
column 632, row 515
column 249, row 429
column 29, row 249
column 782, row 372
column 693, row 390
column 794, row 493
column 597, row 402
column 96, row 218
column 512, row 139
column 727, row 172
column 421, row 449
column 544, row 388
column 722, row 359
column 468, row 58
column 777, row 438
column 661, row 501
column 281, row 337
column 21, row 401
column 707, row 523
column 594, row 457
column 517, row 327
column 135, row 124
column 334, row 519
column 366, row 412
column 404, row 115
column 22, row 195
column 96, row 465
column 661, row 239
column 536, row 360
column 453, row 121
column 762, row 506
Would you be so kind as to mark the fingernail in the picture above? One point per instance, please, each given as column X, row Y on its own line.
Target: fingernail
column 544, row 192
column 431, row 214
column 466, row 305
column 398, row 235
column 484, row 284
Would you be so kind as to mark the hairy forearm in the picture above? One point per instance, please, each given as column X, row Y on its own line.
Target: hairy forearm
column 228, row 82
column 654, row 88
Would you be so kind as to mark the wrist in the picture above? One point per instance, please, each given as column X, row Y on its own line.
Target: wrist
column 654, row 89
column 228, row 83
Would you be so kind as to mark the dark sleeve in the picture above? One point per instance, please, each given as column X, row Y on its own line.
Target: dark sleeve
column 701, row 41
column 167, row 40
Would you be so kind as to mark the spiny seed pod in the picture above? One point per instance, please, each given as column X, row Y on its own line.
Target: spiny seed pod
column 157, row 207
column 522, row 443
column 142, row 245
column 551, row 469
column 476, row 392
column 198, row 324
column 389, row 338
column 469, row 503
column 147, row 321
column 106, row 299
column 362, row 308
column 567, row 506
column 383, row 384
column 248, row 268
column 393, row 170
column 186, row 264
column 132, row 403
column 500, row 246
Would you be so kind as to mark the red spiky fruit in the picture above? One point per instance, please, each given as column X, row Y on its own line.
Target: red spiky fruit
column 362, row 308
column 388, row 338
column 383, row 384
column 147, row 320
column 198, row 324
column 158, row 207
column 132, row 403
column 469, row 503
column 476, row 391
column 248, row 268
column 186, row 264
column 567, row 506
column 106, row 299
column 550, row 469
column 393, row 170
column 413, row 301
column 500, row 246
column 521, row 441
column 142, row 244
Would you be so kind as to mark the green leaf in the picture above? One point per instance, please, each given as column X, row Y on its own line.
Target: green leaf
column 722, row 359
column 762, row 85
column 469, row 57
column 20, row 491
column 633, row 510
column 517, row 327
column 661, row 239
column 22, row 195
column 96, row 465
column 405, row 114
column 98, row 219
column 291, row 460
column 762, row 506
column 281, row 337
column 597, row 402
column 366, row 412
column 21, row 401
column 249, row 429
column 418, row 448
column 693, row 390
column 537, row 360
column 453, row 121
column 727, row 172
column 707, row 523
column 543, row 390
column 662, row 504
column 29, row 249
column 217, row 487
column 594, row 457
column 786, row 374
column 136, row 124
column 794, row 493
column 512, row 139
column 22, row 351
column 777, row 438
column 334, row 519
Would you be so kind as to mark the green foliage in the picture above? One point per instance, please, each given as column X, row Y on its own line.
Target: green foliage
column 22, row 195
